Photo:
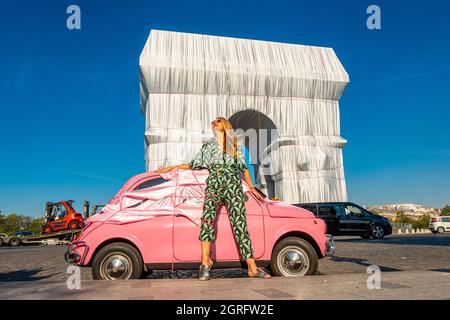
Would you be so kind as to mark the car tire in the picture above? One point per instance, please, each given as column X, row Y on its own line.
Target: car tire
column 294, row 257
column 73, row 225
column 377, row 231
column 1, row 242
column 440, row 230
column 366, row 236
column 14, row 242
column 117, row 261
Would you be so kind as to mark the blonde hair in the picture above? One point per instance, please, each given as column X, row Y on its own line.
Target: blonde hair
column 230, row 137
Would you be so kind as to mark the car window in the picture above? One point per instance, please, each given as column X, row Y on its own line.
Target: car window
column 61, row 212
column 328, row 210
column 150, row 183
column 445, row 219
column 353, row 210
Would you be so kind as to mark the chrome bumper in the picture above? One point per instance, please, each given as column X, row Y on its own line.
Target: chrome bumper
column 71, row 256
column 330, row 249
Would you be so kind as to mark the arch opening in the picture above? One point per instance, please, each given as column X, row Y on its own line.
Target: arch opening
column 259, row 135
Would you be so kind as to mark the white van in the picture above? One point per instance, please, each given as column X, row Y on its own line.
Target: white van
column 439, row 224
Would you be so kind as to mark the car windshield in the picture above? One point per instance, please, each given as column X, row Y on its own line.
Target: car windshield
column 150, row 183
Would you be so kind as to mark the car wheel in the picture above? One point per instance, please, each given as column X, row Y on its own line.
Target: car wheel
column 14, row 242
column 440, row 230
column 377, row 231
column 366, row 236
column 294, row 257
column 73, row 225
column 117, row 261
column 1, row 242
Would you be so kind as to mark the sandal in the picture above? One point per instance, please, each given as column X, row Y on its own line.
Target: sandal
column 260, row 273
column 203, row 273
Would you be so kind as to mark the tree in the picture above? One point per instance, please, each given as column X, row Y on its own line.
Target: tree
column 2, row 222
column 445, row 210
column 422, row 222
column 14, row 222
column 401, row 217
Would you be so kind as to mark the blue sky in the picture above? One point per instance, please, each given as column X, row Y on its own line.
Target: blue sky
column 69, row 98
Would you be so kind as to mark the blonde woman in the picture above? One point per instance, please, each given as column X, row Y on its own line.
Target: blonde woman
column 224, row 159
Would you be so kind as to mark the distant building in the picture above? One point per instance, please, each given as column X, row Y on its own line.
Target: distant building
column 412, row 210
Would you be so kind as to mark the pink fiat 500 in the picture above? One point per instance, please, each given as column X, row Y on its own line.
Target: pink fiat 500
column 153, row 223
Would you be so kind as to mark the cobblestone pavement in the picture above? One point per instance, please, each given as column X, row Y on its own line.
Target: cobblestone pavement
column 353, row 255
column 392, row 286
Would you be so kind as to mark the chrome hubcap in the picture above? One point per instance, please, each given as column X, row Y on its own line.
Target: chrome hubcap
column 378, row 231
column 116, row 266
column 293, row 262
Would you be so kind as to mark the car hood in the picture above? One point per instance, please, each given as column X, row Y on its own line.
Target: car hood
column 280, row 209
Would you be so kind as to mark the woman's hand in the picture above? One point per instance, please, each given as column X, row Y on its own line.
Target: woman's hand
column 256, row 194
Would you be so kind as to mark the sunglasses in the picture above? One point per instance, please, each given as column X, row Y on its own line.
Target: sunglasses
column 215, row 122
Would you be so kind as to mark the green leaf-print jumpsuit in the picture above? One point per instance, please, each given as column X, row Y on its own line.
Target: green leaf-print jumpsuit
column 223, row 185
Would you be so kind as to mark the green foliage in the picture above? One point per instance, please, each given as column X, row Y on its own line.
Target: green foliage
column 14, row 222
column 401, row 217
column 422, row 223
column 445, row 210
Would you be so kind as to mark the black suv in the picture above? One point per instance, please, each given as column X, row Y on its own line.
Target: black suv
column 346, row 218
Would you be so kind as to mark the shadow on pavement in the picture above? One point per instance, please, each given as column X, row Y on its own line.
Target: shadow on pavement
column 23, row 275
column 362, row 262
column 441, row 270
column 193, row 274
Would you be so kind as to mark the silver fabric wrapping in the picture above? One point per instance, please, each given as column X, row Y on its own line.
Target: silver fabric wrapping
column 187, row 80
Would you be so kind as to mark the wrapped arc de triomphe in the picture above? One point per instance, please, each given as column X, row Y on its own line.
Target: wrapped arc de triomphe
column 284, row 97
